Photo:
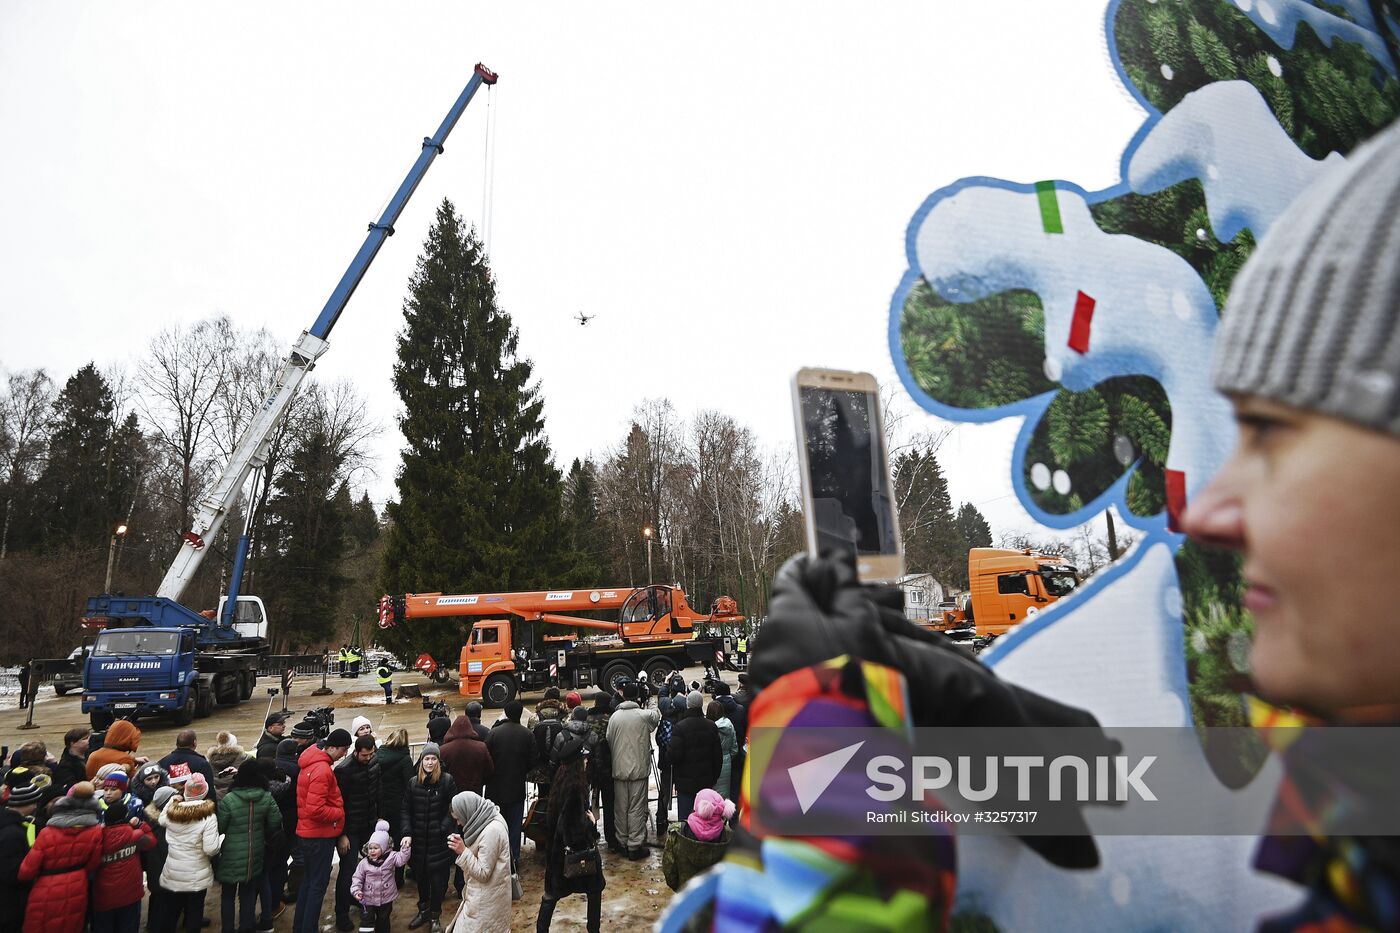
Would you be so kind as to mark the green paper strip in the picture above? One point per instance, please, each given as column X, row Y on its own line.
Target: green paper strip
column 1049, row 207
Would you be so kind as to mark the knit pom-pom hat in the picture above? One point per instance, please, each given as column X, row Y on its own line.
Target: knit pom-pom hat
column 380, row 836
column 711, row 811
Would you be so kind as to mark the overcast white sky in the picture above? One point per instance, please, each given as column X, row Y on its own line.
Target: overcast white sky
column 726, row 186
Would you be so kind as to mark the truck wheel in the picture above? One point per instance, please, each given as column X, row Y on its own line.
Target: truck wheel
column 205, row 705
column 100, row 720
column 248, row 682
column 185, row 714
column 440, row 674
column 657, row 671
column 227, row 687
column 499, row 690
column 615, row 673
column 61, row 691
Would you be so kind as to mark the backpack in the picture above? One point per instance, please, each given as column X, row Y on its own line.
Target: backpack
column 545, row 732
column 663, row 733
column 600, row 764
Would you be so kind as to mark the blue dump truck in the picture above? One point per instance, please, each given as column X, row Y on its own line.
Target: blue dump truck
column 154, row 657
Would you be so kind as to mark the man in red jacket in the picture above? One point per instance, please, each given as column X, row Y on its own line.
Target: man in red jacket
column 320, row 825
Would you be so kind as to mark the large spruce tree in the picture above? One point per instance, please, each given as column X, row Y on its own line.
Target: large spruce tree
column 478, row 496
column 582, row 531
column 93, row 460
column 933, row 542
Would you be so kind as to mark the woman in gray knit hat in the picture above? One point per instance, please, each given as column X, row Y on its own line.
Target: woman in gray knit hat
column 1309, row 354
column 425, row 808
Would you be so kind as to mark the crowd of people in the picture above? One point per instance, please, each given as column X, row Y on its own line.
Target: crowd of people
column 363, row 819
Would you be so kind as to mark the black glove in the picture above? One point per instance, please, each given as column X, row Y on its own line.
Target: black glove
column 820, row 610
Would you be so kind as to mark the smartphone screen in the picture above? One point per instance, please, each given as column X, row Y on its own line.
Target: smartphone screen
column 850, row 501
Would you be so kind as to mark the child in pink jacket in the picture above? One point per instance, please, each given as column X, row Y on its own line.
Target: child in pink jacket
column 374, row 885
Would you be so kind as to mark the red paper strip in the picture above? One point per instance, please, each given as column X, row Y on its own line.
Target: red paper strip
column 1176, row 498
column 1079, row 327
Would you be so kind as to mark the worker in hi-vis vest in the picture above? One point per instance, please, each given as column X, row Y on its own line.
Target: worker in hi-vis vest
column 343, row 656
column 743, row 649
column 385, row 678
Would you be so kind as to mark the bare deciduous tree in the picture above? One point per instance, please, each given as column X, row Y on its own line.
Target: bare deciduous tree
column 181, row 381
column 721, row 507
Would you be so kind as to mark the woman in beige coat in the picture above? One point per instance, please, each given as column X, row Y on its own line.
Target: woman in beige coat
column 483, row 853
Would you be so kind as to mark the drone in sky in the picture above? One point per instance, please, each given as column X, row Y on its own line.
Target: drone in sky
column 583, row 319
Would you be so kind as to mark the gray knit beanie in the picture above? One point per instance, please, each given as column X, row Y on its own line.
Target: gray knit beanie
column 1312, row 318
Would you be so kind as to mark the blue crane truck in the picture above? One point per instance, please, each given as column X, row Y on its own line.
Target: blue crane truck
column 179, row 665
column 155, row 656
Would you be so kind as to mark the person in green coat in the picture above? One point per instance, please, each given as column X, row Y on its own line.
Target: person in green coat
column 250, row 822
column 728, row 742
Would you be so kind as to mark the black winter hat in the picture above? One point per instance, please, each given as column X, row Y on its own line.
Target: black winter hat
column 437, row 728
column 24, row 786
column 116, row 813
column 306, row 729
column 251, row 773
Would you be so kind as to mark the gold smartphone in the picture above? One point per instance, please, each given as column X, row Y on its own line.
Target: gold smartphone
column 848, row 498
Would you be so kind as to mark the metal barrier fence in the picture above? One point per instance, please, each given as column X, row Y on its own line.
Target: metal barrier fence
column 9, row 684
column 275, row 664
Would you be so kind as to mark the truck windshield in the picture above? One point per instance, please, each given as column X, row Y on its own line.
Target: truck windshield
column 125, row 644
column 1059, row 581
column 639, row 606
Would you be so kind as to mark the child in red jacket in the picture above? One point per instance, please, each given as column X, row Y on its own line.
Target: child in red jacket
column 118, row 888
column 66, row 852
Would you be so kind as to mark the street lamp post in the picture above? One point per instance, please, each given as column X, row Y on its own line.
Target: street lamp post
column 648, row 534
column 111, row 556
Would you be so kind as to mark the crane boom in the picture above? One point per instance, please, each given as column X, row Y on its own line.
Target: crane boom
column 649, row 613
column 252, row 450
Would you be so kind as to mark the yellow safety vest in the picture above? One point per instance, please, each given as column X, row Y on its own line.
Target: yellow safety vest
column 383, row 676
column 743, row 645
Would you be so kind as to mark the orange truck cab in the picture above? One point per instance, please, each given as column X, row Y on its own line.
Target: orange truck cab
column 1007, row 588
column 488, row 652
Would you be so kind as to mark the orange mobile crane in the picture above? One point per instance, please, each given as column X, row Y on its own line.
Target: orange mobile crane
column 654, row 632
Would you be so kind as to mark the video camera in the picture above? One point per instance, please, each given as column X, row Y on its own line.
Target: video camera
column 436, row 708
column 323, row 718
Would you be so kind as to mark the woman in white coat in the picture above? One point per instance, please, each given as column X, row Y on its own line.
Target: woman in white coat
column 192, row 837
column 483, row 853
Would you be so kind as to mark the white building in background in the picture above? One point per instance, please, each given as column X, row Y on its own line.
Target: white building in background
column 922, row 594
